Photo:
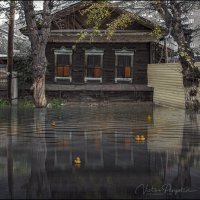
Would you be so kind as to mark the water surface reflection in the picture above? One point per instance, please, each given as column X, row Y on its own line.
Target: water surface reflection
column 37, row 159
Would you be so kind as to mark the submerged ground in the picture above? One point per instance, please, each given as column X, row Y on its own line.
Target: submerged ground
column 39, row 148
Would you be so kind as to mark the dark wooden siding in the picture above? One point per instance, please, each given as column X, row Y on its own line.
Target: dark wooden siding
column 78, row 65
column 77, row 20
column 141, row 60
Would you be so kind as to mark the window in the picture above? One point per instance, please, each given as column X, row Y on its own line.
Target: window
column 94, row 64
column 124, row 65
column 63, row 62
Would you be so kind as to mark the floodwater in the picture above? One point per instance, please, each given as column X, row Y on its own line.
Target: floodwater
column 39, row 150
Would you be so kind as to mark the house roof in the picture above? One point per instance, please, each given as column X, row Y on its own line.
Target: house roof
column 64, row 6
column 68, row 9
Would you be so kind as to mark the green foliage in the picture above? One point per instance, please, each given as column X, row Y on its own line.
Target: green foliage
column 29, row 102
column 123, row 21
column 3, row 103
column 96, row 13
column 55, row 102
column 82, row 35
column 23, row 66
column 157, row 31
column 183, row 53
column 26, row 103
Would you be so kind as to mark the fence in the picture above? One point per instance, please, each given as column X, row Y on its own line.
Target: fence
column 4, row 86
column 167, row 81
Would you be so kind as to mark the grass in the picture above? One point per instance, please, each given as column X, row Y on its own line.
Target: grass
column 4, row 103
column 55, row 102
column 25, row 103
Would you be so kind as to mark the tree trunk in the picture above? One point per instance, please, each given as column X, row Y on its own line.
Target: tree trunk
column 39, row 92
column 10, row 48
column 186, row 157
column 191, row 77
column 190, row 72
column 38, row 38
column 172, row 11
column 39, row 71
column 191, row 100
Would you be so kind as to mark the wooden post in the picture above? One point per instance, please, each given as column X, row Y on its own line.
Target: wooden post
column 10, row 47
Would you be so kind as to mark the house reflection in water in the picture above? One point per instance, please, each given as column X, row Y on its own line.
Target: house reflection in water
column 109, row 161
column 113, row 164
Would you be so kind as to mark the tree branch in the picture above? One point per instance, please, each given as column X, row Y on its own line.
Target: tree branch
column 30, row 20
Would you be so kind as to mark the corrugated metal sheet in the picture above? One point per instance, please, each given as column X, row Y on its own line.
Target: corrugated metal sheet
column 167, row 81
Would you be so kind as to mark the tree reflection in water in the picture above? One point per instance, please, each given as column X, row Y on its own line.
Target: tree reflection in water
column 113, row 164
column 186, row 157
column 38, row 185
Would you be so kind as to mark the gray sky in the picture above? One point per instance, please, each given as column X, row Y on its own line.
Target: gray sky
column 38, row 6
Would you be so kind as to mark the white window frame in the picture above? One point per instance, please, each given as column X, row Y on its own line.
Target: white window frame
column 62, row 51
column 93, row 52
column 124, row 52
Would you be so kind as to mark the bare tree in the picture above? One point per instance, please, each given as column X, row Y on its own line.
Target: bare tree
column 38, row 25
column 173, row 12
column 38, row 37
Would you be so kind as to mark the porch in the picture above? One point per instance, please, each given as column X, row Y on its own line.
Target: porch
column 111, row 92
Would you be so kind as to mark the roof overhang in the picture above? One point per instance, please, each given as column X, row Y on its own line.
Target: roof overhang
column 71, row 36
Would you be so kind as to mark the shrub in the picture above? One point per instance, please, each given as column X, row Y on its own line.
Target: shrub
column 23, row 66
column 55, row 102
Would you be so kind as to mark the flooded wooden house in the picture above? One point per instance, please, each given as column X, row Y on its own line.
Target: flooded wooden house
column 101, row 67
